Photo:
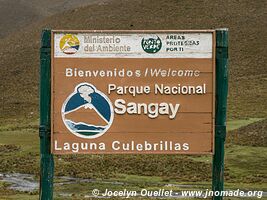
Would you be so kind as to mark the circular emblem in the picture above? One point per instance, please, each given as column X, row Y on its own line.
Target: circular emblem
column 87, row 112
column 151, row 44
column 69, row 44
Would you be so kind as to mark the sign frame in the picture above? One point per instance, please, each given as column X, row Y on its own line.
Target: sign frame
column 46, row 157
column 213, row 32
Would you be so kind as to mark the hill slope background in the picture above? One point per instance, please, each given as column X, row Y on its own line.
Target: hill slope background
column 20, row 13
column 19, row 78
column 254, row 134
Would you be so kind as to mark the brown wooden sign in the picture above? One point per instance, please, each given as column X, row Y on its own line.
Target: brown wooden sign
column 149, row 92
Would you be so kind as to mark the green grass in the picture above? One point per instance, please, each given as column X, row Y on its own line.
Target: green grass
column 231, row 125
column 248, row 163
column 235, row 124
column 19, row 196
column 19, row 147
column 27, row 140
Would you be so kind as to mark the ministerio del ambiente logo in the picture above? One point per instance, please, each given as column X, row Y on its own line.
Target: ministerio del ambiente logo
column 69, row 44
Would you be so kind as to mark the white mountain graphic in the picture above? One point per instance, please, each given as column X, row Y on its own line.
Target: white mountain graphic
column 87, row 114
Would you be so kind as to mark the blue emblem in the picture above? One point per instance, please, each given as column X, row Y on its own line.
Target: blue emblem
column 87, row 112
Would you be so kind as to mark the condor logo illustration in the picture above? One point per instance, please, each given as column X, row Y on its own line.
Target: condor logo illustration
column 69, row 44
column 87, row 112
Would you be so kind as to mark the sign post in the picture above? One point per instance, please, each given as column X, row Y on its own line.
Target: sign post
column 46, row 161
column 221, row 107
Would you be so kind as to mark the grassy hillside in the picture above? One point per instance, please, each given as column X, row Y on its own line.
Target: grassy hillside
column 254, row 134
column 248, row 75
